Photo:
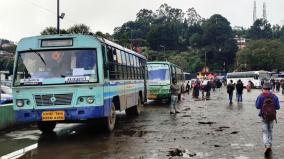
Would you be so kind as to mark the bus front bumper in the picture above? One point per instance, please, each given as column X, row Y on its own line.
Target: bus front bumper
column 70, row 114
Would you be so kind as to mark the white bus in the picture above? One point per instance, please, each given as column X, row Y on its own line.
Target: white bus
column 254, row 76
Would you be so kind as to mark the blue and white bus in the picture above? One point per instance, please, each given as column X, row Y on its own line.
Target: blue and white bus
column 75, row 78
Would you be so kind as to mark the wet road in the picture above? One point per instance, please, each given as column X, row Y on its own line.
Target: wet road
column 204, row 129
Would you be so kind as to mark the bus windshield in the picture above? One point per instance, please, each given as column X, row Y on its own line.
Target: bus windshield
column 158, row 73
column 56, row 67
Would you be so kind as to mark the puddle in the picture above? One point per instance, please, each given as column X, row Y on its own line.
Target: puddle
column 235, row 132
column 187, row 109
column 206, row 123
column 175, row 152
column 222, row 128
column 32, row 135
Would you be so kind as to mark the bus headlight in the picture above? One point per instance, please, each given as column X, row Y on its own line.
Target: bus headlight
column 90, row 100
column 20, row 102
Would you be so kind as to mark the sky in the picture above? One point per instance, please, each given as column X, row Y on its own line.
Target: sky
column 22, row 18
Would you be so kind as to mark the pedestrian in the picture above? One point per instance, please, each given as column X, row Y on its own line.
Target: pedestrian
column 208, row 87
column 230, row 90
column 196, row 89
column 239, row 90
column 213, row 84
column 277, row 84
column 272, row 82
column 175, row 89
column 187, row 87
column 282, row 86
column 268, row 103
column 202, row 88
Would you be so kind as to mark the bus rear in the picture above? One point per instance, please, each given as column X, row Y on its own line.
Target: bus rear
column 159, row 80
column 58, row 79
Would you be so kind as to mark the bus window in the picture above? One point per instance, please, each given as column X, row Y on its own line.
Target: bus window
column 104, row 62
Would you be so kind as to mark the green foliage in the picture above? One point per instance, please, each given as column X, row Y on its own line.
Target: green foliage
column 80, row 29
column 262, row 55
column 261, row 29
column 52, row 30
column 218, row 42
column 168, row 26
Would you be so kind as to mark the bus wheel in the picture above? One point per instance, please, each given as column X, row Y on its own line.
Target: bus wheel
column 109, row 122
column 135, row 110
column 46, row 127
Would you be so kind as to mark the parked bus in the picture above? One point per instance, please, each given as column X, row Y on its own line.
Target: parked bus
column 76, row 78
column 161, row 74
column 254, row 76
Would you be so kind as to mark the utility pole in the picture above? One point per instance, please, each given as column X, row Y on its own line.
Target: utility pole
column 61, row 16
column 58, row 18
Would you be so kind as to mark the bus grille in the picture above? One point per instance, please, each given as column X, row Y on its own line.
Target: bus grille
column 60, row 99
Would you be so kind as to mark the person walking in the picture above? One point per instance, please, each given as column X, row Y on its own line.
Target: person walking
column 175, row 89
column 282, row 86
column 230, row 90
column 196, row 89
column 277, row 83
column 267, row 103
column 187, row 87
column 208, row 87
column 239, row 92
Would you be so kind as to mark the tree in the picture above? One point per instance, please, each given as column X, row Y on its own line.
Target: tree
column 52, row 30
column 192, row 17
column 80, row 29
column 262, row 55
column 261, row 29
column 218, row 41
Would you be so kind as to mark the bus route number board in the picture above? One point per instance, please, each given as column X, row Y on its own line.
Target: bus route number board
column 53, row 115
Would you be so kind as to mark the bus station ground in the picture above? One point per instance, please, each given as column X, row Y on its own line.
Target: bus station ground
column 210, row 129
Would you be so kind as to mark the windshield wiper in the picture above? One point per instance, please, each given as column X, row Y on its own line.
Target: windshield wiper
column 38, row 55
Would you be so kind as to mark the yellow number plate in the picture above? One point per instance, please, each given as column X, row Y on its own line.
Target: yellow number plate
column 151, row 96
column 52, row 115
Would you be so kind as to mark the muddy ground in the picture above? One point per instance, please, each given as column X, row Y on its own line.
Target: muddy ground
column 204, row 129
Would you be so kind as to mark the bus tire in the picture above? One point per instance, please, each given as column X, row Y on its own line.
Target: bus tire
column 135, row 110
column 46, row 127
column 109, row 122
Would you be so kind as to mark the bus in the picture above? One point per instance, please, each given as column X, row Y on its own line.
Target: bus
column 76, row 78
column 254, row 76
column 160, row 75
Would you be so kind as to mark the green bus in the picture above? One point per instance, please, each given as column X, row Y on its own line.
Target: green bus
column 160, row 74
column 76, row 78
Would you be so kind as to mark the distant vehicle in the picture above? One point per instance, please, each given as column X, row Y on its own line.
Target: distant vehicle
column 254, row 76
column 76, row 78
column 187, row 79
column 6, row 95
column 161, row 74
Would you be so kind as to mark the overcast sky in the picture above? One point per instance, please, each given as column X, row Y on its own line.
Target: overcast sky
column 21, row 18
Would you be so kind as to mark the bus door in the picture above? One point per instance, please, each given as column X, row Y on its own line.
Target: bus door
column 145, row 78
column 106, row 81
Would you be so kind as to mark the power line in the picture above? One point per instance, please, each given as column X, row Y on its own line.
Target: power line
column 49, row 10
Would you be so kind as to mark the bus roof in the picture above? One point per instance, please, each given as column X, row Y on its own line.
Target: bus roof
column 248, row 72
column 163, row 62
column 34, row 42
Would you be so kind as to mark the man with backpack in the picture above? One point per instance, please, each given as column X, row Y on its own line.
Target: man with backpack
column 268, row 103
column 239, row 88
column 230, row 90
